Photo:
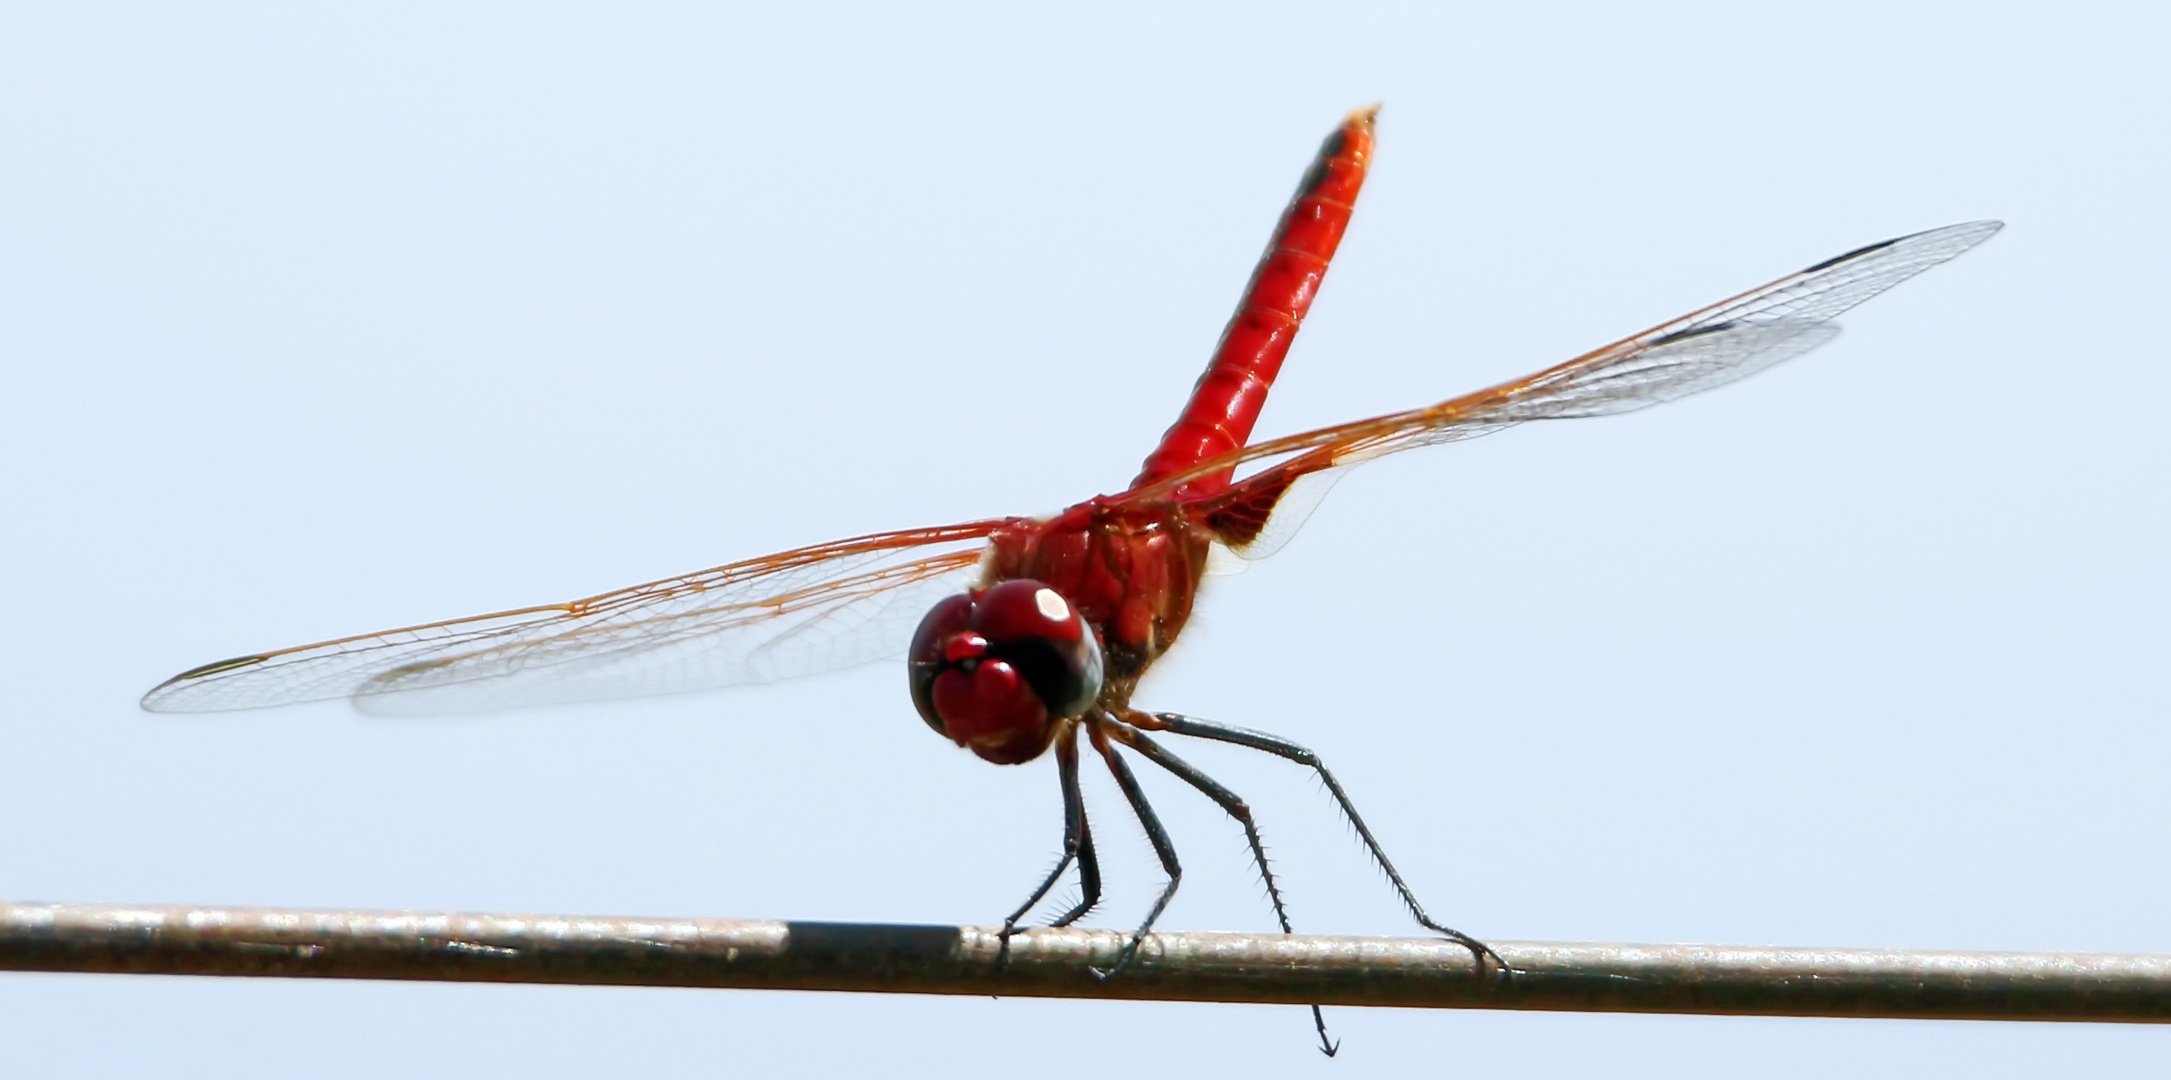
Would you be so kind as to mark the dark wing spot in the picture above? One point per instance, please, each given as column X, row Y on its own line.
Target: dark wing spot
column 217, row 667
column 1701, row 331
column 1856, row 253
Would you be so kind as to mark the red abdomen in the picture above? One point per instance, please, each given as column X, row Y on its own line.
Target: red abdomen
column 1228, row 397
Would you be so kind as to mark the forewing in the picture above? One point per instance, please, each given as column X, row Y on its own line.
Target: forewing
column 1705, row 349
column 794, row 613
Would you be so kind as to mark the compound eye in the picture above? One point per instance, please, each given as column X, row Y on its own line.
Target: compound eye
column 1043, row 636
column 930, row 654
column 1021, row 609
column 992, row 669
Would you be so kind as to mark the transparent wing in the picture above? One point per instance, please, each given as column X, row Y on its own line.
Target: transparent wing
column 794, row 613
column 1709, row 348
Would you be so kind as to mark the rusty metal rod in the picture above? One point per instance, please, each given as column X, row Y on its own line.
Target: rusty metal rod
column 768, row 955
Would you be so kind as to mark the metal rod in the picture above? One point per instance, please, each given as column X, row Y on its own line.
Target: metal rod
column 769, row 955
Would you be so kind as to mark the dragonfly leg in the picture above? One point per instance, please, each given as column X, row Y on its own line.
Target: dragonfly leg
column 1155, row 834
column 1236, row 807
column 1077, row 845
column 1089, row 877
column 1177, row 724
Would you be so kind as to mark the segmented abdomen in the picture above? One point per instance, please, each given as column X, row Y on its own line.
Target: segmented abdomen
column 1228, row 397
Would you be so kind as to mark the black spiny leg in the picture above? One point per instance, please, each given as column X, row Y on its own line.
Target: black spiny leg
column 1280, row 747
column 1089, row 876
column 1238, row 809
column 1155, row 834
column 1077, row 844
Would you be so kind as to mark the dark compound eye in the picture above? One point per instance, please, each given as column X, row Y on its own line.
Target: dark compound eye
column 1034, row 628
column 991, row 670
column 931, row 643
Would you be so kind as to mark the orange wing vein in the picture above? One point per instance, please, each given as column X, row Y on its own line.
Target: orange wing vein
column 1702, row 350
column 798, row 612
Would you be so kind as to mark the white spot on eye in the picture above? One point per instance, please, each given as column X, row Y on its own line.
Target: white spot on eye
column 1051, row 605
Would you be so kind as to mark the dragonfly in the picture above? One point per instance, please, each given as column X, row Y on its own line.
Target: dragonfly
column 1032, row 632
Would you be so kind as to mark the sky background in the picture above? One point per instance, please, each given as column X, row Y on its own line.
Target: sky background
column 320, row 321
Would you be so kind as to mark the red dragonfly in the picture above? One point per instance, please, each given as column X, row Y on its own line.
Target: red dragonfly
column 1037, row 629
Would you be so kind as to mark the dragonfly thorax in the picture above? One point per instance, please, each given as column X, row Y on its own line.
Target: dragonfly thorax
column 1130, row 568
column 998, row 670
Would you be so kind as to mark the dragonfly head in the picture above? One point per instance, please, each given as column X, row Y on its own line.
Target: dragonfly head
column 994, row 670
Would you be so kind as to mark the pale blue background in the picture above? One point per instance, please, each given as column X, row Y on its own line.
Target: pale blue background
column 319, row 322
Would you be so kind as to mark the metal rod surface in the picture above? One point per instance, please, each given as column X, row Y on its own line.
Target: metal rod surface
column 1268, row 968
